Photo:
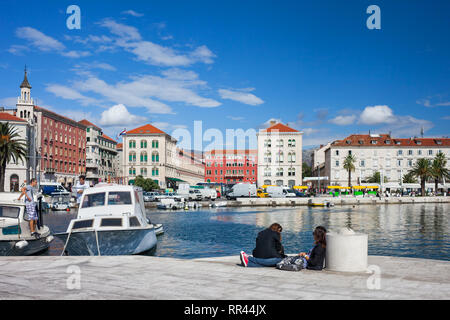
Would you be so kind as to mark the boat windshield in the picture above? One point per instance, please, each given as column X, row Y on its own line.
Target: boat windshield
column 9, row 212
column 93, row 200
column 119, row 198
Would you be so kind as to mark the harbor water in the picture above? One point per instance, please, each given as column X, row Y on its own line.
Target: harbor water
column 407, row 230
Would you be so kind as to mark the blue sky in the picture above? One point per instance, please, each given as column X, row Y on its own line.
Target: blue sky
column 234, row 64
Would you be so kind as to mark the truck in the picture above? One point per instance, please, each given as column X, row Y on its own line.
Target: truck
column 241, row 190
column 208, row 193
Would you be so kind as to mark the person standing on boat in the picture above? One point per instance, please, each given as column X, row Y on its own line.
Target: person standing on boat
column 30, row 205
column 80, row 187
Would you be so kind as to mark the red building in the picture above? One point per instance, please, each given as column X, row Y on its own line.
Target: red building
column 60, row 141
column 231, row 166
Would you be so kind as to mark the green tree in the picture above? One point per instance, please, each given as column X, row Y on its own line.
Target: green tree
column 409, row 178
column 349, row 165
column 423, row 170
column 145, row 184
column 439, row 170
column 306, row 170
column 12, row 148
column 376, row 178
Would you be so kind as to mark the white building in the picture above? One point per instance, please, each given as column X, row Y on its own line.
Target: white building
column 101, row 154
column 16, row 173
column 152, row 153
column 279, row 156
column 392, row 157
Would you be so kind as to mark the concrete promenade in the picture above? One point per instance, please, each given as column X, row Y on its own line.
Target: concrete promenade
column 342, row 200
column 144, row 277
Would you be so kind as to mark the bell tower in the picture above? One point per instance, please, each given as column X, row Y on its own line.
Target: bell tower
column 25, row 104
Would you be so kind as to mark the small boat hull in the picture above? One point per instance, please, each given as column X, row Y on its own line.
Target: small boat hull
column 9, row 248
column 110, row 242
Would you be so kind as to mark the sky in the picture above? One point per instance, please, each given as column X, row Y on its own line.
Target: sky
column 229, row 65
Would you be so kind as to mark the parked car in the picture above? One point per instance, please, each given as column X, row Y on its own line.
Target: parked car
column 150, row 196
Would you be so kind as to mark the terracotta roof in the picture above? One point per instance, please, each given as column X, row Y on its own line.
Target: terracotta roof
column 279, row 127
column 146, row 129
column 108, row 138
column 87, row 123
column 54, row 114
column 385, row 140
column 119, row 146
column 4, row 116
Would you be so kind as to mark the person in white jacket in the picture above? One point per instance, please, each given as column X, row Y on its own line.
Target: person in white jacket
column 80, row 187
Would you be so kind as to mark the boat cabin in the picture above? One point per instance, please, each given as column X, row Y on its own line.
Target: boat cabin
column 111, row 205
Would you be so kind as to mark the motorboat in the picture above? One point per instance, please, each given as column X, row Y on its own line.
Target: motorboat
column 218, row 204
column 320, row 204
column 169, row 204
column 15, row 234
column 111, row 220
column 159, row 229
column 60, row 201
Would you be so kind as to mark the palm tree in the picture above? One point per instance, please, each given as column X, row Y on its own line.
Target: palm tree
column 409, row 178
column 349, row 165
column 12, row 148
column 423, row 170
column 439, row 170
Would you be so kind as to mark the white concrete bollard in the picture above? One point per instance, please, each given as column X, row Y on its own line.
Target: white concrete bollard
column 346, row 251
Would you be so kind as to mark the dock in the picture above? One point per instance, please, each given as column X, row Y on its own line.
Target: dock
column 218, row 278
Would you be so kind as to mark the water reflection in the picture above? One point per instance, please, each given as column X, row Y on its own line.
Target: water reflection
column 420, row 230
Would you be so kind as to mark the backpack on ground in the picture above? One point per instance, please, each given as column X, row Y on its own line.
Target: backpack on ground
column 291, row 264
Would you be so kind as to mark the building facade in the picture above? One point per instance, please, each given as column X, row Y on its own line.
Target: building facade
column 60, row 142
column 231, row 166
column 152, row 153
column 101, row 155
column 16, row 172
column 392, row 157
column 279, row 156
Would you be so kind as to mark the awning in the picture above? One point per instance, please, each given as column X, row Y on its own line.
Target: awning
column 300, row 187
column 175, row 179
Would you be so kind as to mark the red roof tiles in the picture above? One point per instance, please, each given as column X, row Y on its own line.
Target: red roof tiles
column 146, row 129
column 279, row 127
column 4, row 116
column 385, row 140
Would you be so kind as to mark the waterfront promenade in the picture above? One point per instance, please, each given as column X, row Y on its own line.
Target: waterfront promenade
column 342, row 200
column 144, row 277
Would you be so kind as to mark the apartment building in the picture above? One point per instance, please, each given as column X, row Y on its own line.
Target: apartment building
column 279, row 155
column 231, row 166
column 392, row 157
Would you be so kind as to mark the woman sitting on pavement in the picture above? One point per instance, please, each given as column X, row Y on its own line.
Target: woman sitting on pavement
column 268, row 251
column 316, row 256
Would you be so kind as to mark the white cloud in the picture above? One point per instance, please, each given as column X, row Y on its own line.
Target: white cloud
column 242, row 96
column 133, row 13
column 377, row 115
column 8, row 102
column 70, row 94
column 129, row 38
column 119, row 115
column 39, row 40
column 343, row 120
column 18, row 50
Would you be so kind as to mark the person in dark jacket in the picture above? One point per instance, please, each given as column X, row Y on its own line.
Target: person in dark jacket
column 315, row 258
column 268, row 251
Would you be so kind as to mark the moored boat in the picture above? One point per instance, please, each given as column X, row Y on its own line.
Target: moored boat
column 110, row 221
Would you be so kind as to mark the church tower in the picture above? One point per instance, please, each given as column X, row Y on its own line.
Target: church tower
column 25, row 105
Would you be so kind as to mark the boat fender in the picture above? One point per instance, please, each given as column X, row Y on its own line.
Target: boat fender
column 49, row 239
column 21, row 244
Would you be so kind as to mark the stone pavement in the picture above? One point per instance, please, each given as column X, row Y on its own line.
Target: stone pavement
column 144, row 277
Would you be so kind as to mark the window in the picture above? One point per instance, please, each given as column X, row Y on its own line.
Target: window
column 155, row 157
column 280, row 157
column 132, row 171
column 400, row 152
column 9, row 212
column 144, row 172
column 268, row 143
column 132, row 144
column 280, row 143
column 132, row 157
column 337, row 163
column 143, row 144
column 155, row 144
column 144, row 156
column 279, row 172
column 291, row 157
column 336, row 153
column 430, row 152
column 291, row 172
column 111, row 222
column 93, row 200
column 83, row 224
column 134, row 222
column 362, row 163
column 155, row 172
column 119, row 198
column 268, row 157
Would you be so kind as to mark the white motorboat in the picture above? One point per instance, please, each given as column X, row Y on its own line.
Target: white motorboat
column 110, row 221
column 218, row 204
column 15, row 234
